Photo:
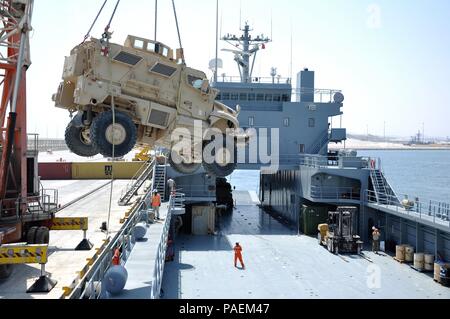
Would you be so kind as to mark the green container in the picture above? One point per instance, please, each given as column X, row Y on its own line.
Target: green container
column 312, row 217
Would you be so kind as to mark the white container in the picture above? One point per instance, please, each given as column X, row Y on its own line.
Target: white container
column 400, row 252
column 409, row 254
column 429, row 259
column 419, row 261
column 429, row 267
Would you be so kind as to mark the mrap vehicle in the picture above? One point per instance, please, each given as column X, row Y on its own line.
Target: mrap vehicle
column 151, row 94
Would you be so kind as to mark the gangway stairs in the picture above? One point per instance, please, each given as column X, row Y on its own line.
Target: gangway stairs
column 159, row 179
column 145, row 172
column 383, row 191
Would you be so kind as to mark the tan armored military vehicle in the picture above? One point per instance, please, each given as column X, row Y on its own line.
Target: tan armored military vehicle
column 152, row 94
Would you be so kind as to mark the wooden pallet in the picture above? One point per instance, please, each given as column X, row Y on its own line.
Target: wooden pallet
column 401, row 261
column 422, row 270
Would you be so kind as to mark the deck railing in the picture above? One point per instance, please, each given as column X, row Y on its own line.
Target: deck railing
column 431, row 211
column 335, row 193
column 356, row 162
column 176, row 201
column 85, row 287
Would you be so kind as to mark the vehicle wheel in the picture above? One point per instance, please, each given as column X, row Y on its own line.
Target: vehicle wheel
column 123, row 134
column 31, row 235
column 183, row 168
column 223, row 164
column 42, row 236
column 336, row 250
column 5, row 271
column 78, row 140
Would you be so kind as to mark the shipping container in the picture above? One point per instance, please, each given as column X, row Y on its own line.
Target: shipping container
column 55, row 171
column 105, row 170
column 312, row 217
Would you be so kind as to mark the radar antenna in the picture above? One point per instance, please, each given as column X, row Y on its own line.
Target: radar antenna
column 244, row 48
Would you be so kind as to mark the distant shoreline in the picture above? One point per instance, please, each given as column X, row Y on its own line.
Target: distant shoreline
column 393, row 149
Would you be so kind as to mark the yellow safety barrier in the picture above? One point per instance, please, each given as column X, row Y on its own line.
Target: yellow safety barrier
column 77, row 223
column 23, row 254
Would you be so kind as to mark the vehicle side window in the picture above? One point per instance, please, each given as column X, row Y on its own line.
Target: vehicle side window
column 195, row 81
column 151, row 47
column 138, row 44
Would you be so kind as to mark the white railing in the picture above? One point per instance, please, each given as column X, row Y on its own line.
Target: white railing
column 191, row 191
column 432, row 211
column 123, row 239
column 175, row 201
column 263, row 80
column 129, row 187
column 319, row 95
column 335, row 193
column 319, row 161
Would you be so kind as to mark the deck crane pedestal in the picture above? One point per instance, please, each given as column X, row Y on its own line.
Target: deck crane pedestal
column 27, row 211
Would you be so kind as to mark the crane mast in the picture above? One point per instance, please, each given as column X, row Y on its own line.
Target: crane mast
column 15, row 24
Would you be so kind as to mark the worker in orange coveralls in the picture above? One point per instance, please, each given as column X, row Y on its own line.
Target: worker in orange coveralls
column 238, row 255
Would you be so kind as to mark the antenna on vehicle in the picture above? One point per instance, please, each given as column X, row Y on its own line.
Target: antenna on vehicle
column 156, row 18
column 216, row 62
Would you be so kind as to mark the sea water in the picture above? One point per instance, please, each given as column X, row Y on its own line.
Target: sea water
column 418, row 173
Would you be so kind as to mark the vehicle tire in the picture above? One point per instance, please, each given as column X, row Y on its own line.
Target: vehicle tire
column 319, row 239
column 183, row 168
column 31, row 235
column 336, row 249
column 5, row 271
column 78, row 140
column 228, row 166
column 125, row 134
column 42, row 236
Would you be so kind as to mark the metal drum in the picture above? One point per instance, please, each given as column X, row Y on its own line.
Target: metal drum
column 437, row 272
column 400, row 252
column 419, row 261
column 409, row 254
column 429, row 262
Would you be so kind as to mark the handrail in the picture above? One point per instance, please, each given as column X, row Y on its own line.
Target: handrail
column 432, row 211
column 103, row 262
column 255, row 79
column 196, row 191
column 175, row 201
column 330, row 193
column 146, row 166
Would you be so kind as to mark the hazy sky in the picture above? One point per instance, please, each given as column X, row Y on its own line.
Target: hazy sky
column 391, row 58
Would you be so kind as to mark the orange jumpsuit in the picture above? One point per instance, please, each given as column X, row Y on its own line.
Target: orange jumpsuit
column 238, row 256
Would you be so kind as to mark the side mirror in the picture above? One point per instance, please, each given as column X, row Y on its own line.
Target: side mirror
column 238, row 109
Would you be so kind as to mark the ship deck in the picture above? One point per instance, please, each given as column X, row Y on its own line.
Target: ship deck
column 64, row 262
column 280, row 264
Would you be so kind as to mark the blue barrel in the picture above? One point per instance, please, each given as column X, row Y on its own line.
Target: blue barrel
column 139, row 231
column 115, row 279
